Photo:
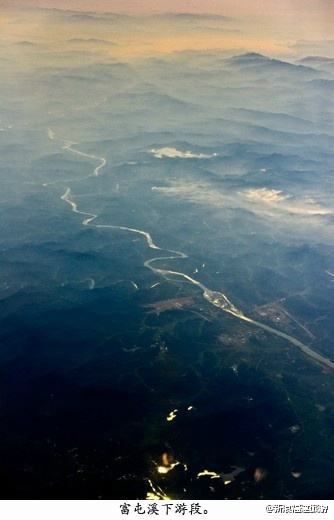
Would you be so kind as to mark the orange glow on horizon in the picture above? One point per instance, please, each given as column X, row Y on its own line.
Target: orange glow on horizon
column 250, row 28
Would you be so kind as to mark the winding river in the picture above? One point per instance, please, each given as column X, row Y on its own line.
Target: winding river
column 216, row 298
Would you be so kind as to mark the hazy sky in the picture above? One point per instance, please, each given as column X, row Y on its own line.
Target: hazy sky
column 303, row 8
column 259, row 25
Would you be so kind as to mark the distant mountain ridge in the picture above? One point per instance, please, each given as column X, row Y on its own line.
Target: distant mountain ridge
column 256, row 59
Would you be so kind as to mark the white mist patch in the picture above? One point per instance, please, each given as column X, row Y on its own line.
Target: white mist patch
column 265, row 195
column 174, row 153
column 201, row 193
column 262, row 201
column 285, row 202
